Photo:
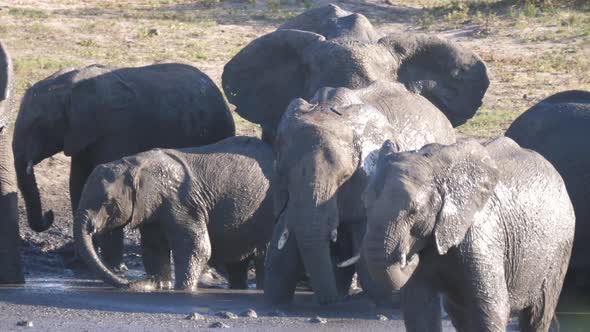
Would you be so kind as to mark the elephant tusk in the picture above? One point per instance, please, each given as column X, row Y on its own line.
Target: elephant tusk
column 350, row 261
column 402, row 259
column 283, row 239
column 334, row 235
column 30, row 167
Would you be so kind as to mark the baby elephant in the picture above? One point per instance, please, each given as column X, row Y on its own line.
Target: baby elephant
column 489, row 227
column 208, row 203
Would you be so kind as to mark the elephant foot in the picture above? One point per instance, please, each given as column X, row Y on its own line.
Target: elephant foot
column 150, row 284
column 75, row 263
column 389, row 300
column 325, row 300
column 120, row 268
column 238, row 285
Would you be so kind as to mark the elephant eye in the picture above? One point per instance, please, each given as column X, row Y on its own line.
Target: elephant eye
column 412, row 210
column 112, row 208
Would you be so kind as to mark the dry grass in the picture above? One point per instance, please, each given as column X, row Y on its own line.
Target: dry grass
column 531, row 51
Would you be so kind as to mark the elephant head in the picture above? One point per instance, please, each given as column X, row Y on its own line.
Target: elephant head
column 333, row 22
column 107, row 203
column 286, row 64
column 423, row 200
column 64, row 112
column 322, row 150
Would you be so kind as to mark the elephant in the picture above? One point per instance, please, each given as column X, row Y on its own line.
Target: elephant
column 333, row 22
column 557, row 128
column 209, row 203
column 10, row 260
column 324, row 152
column 98, row 114
column 344, row 51
column 489, row 227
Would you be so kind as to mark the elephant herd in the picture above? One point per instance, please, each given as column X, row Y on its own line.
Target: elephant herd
column 359, row 171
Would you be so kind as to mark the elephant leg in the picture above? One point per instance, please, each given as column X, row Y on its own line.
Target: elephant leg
column 111, row 248
column 79, row 172
column 421, row 306
column 486, row 298
column 156, row 255
column 191, row 247
column 342, row 250
column 259, row 257
column 379, row 295
column 237, row 273
column 10, row 260
column 457, row 315
column 111, row 243
column 539, row 316
column 282, row 268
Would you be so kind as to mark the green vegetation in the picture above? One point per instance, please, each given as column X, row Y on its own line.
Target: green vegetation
column 26, row 12
column 488, row 123
column 533, row 48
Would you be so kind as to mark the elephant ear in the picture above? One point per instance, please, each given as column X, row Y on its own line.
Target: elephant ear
column 266, row 75
column 99, row 99
column 377, row 180
column 450, row 76
column 5, row 73
column 333, row 22
column 466, row 183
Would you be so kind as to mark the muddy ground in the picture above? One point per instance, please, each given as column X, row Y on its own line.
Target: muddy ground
column 529, row 56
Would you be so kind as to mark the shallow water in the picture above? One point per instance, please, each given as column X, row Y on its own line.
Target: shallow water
column 73, row 304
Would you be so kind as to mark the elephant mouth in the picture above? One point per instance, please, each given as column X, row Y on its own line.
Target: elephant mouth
column 406, row 265
column 399, row 273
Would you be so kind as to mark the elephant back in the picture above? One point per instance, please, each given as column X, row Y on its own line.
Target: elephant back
column 168, row 105
column 333, row 22
column 558, row 129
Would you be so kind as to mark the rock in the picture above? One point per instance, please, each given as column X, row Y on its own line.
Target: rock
column 318, row 320
column 226, row 314
column 249, row 313
column 153, row 32
column 194, row 316
column 25, row 323
column 382, row 317
column 219, row 325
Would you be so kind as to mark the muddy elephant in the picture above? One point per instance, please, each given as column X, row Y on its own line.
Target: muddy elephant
column 490, row 227
column 325, row 151
column 99, row 114
column 342, row 50
column 558, row 128
column 208, row 203
column 11, row 271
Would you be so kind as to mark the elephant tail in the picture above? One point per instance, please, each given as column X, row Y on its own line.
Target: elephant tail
column 84, row 228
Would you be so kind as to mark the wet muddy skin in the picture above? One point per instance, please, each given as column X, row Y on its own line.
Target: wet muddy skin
column 70, row 304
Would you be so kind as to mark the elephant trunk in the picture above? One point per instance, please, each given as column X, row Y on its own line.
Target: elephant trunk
column 83, row 230
column 315, row 230
column 315, row 252
column 385, row 258
column 27, row 184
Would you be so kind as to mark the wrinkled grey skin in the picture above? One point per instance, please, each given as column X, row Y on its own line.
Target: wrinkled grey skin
column 489, row 227
column 558, row 128
column 99, row 114
column 325, row 150
column 11, row 271
column 286, row 64
column 203, row 204
column 333, row 22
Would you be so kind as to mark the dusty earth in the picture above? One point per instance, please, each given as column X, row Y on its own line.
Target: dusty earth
column 525, row 66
